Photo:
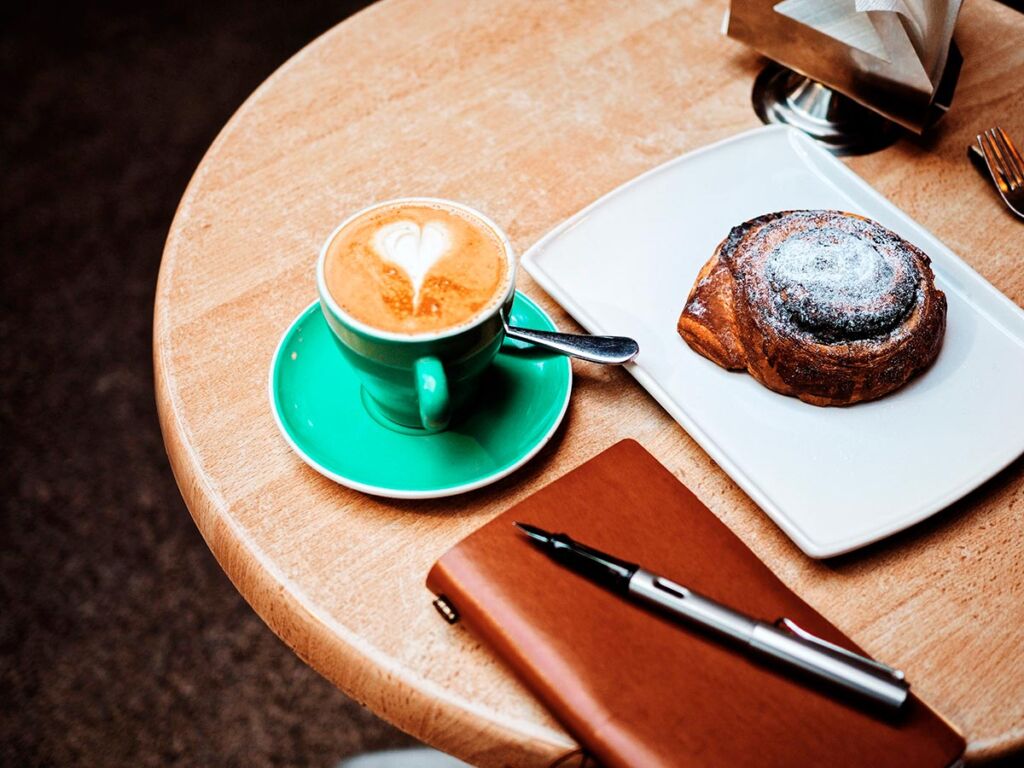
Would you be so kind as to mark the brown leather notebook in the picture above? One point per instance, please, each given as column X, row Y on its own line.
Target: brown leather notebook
column 635, row 688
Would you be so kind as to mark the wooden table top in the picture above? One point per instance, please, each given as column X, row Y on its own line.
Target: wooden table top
column 529, row 112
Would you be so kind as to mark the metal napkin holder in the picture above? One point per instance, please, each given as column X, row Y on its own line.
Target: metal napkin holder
column 848, row 98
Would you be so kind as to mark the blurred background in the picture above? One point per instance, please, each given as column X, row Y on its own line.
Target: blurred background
column 121, row 640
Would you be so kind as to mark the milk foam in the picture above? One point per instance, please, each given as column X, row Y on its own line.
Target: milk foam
column 414, row 248
column 417, row 268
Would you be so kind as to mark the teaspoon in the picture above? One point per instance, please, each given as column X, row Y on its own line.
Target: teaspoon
column 607, row 350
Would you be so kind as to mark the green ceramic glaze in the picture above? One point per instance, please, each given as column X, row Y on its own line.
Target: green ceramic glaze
column 415, row 381
column 420, row 380
column 317, row 400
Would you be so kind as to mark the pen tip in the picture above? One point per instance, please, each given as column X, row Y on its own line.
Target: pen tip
column 538, row 534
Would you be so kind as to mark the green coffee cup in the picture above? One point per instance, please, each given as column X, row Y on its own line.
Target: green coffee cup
column 415, row 382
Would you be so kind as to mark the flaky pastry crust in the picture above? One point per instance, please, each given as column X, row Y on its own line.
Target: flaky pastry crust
column 826, row 306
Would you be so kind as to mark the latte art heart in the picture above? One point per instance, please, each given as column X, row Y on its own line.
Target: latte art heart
column 412, row 267
column 414, row 248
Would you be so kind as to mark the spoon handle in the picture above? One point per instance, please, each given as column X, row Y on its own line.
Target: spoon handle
column 608, row 350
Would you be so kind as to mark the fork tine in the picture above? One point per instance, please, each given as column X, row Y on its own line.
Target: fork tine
column 990, row 134
column 993, row 161
column 1011, row 154
column 1004, row 164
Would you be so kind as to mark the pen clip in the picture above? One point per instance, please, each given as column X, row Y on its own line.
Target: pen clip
column 794, row 629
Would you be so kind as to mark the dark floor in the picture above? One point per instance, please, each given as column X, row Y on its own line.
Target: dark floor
column 121, row 641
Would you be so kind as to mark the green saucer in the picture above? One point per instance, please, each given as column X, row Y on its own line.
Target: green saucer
column 316, row 400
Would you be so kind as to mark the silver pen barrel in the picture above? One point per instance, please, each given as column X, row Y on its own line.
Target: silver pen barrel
column 794, row 648
column 856, row 676
column 683, row 602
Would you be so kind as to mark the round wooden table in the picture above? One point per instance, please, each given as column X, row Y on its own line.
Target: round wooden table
column 529, row 112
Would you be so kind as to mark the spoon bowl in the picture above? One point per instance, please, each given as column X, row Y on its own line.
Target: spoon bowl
column 604, row 350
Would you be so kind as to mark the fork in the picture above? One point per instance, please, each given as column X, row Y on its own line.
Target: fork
column 1005, row 166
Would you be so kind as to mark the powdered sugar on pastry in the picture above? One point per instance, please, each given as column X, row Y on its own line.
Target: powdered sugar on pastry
column 824, row 305
column 833, row 278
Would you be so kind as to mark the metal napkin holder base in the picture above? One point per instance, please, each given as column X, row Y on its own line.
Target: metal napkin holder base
column 841, row 96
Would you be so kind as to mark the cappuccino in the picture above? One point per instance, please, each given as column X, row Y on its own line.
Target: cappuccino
column 417, row 267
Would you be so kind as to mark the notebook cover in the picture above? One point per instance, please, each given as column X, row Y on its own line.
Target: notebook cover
column 634, row 688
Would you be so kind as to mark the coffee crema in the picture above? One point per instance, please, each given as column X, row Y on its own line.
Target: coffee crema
column 416, row 268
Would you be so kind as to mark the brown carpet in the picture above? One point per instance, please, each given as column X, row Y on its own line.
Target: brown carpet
column 121, row 640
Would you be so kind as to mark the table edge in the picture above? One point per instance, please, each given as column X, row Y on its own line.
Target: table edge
column 313, row 640
column 308, row 636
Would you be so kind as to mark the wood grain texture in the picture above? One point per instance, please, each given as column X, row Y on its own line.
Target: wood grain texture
column 529, row 112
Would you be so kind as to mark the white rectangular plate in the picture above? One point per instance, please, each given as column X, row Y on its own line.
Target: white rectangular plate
column 833, row 479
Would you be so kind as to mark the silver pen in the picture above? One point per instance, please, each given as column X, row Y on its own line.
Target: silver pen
column 782, row 641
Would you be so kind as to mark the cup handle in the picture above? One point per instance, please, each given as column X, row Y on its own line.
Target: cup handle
column 432, row 390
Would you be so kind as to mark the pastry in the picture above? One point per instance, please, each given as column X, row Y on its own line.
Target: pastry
column 826, row 306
